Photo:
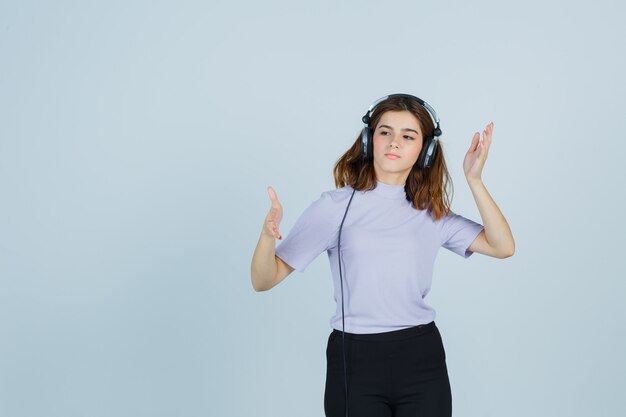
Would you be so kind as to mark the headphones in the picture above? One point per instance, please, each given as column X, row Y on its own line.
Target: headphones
column 424, row 160
column 429, row 146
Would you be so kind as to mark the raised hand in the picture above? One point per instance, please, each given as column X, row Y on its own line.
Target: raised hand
column 275, row 215
column 477, row 154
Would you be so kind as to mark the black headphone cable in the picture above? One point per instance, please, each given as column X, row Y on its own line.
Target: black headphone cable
column 343, row 335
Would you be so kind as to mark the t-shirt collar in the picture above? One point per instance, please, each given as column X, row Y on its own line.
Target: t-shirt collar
column 389, row 191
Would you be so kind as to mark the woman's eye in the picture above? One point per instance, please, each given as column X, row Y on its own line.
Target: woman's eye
column 406, row 136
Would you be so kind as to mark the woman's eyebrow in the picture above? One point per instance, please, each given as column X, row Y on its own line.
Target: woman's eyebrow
column 404, row 130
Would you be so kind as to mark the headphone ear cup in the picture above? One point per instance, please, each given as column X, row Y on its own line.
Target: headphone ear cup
column 367, row 151
column 364, row 149
column 427, row 155
column 431, row 151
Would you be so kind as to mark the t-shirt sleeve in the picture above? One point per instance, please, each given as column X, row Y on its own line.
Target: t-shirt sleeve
column 311, row 234
column 458, row 232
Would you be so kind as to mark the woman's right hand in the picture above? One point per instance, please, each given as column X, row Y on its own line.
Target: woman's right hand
column 275, row 215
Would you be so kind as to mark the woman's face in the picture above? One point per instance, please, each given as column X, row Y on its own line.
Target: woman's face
column 398, row 133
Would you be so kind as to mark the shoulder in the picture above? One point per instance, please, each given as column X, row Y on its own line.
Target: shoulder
column 457, row 227
column 451, row 217
column 445, row 217
column 329, row 203
column 451, row 222
column 335, row 197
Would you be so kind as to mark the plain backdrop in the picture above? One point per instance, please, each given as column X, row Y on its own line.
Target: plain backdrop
column 137, row 142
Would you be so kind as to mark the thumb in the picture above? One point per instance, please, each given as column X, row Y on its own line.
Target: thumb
column 474, row 143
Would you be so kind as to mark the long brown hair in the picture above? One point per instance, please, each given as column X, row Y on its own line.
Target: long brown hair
column 425, row 188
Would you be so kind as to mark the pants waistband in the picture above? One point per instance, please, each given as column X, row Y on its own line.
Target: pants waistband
column 387, row 336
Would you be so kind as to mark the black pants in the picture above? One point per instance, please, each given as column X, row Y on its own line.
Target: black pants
column 402, row 373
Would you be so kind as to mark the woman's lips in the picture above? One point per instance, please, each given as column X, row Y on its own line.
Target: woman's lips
column 391, row 156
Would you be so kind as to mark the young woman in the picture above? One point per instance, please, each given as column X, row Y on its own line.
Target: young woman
column 382, row 228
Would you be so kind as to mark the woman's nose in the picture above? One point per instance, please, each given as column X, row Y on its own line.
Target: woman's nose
column 395, row 140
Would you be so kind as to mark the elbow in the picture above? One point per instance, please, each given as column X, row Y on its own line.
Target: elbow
column 508, row 253
column 506, row 250
column 257, row 287
column 254, row 287
column 255, row 280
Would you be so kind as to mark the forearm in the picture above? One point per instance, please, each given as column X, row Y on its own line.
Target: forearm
column 263, row 267
column 497, row 230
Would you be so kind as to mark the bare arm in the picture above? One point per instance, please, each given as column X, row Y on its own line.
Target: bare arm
column 496, row 240
column 267, row 270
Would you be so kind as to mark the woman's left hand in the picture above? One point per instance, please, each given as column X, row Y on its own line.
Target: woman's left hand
column 477, row 154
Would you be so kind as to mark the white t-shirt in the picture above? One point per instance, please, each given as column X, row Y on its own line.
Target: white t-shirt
column 388, row 250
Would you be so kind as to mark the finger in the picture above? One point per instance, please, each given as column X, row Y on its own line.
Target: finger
column 276, row 232
column 487, row 134
column 272, row 216
column 274, row 229
column 273, row 196
column 484, row 146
